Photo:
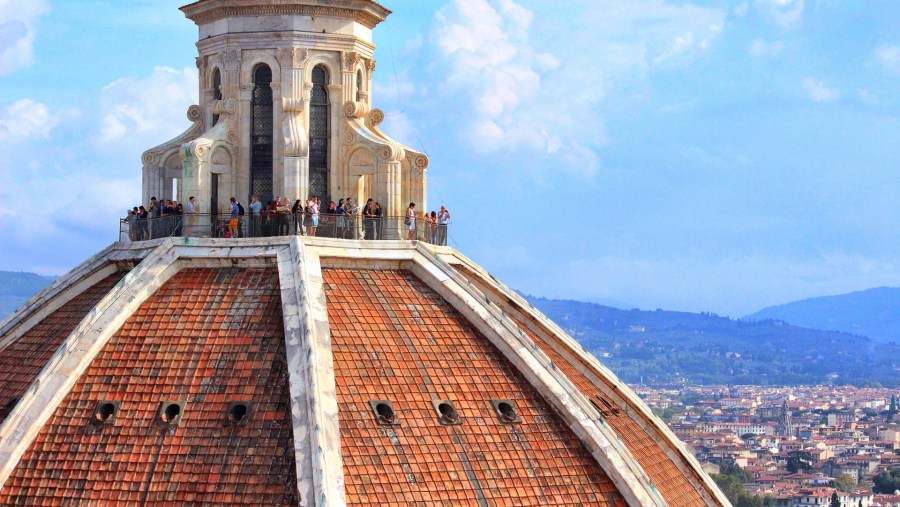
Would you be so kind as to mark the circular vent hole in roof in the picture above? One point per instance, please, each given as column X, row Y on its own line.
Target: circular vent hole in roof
column 507, row 411
column 239, row 412
column 104, row 412
column 448, row 412
column 171, row 411
column 385, row 413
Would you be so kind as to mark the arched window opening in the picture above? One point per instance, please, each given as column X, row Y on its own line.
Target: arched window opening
column 319, row 133
column 261, row 134
column 217, row 90
column 359, row 86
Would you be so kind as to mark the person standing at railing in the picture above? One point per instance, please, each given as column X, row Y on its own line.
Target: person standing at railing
column 313, row 206
column 297, row 214
column 368, row 215
column 351, row 210
column 255, row 217
column 155, row 214
column 443, row 220
column 379, row 213
column 410, row 221
column 284, row 209
column 178, row 217
column 142, row 223
column 340, row 220
column 235, row 219
column 133, row 233
column 434, row 228
column 190, row 220
column 426, row 219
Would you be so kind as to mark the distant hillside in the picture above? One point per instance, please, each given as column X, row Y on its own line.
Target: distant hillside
column 874, row 313
column 663, row 347
column 16, row 288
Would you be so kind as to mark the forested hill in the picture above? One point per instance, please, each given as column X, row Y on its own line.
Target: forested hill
column 661, row 347
column 16, row 288
column 874, row 313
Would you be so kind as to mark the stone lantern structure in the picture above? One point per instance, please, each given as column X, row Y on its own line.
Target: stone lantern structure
column 285, row 110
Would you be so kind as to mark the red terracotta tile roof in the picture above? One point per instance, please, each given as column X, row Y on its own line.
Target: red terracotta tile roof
column 208, row 337
column 23, row 360
column 395, row 339
column 663, row 472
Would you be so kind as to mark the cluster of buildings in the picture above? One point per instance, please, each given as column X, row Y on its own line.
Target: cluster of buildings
column 846, row 433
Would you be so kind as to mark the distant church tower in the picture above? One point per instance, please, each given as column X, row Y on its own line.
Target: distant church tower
column 286, row 109
column 786, row 422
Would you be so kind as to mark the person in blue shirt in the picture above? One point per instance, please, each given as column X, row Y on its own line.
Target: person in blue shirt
column 235, row 218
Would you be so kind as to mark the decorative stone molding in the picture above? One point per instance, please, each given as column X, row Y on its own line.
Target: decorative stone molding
column 289, row 105
column 349, row 137
column 391, row 153
column 231, row 137
column 230, row 59
column 292, row 57
column 355, row 109
column 370, row 65
column 194, row 113
column 349, row 60
column 151, row 158
column 374, row 118
column 223, row 107
column 420, row 162
column 202, row 13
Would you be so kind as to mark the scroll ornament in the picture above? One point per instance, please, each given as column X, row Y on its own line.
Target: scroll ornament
column 194, row 113
column 355, row 109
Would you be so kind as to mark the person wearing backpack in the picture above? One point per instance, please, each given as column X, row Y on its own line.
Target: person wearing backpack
column 235, row 218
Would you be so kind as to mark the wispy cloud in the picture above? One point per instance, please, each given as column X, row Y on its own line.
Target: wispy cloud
column 27, row 119
column 818, row 91
column 889, row 57
column 761, row 48
column 787, row 14
column 18, row 20
column 142, row 113
column 525, row 98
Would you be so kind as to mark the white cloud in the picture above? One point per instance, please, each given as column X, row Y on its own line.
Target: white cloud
column 521, row 96
column 27, row 119
column 761, row 48
column 92, row 166
column 785, row 13
column 889, row 57
column 18, row 19
column 820, row 92
column 141, row 113
column 740, row 10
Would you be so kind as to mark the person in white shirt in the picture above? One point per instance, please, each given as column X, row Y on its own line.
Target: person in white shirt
column 443, row 220
column 410, row 221
column 313, row 206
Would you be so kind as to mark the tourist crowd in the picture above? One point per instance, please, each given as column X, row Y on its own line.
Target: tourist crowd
column 343, row 219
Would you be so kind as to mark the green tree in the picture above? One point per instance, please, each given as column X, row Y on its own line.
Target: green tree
column 887, row 482
column 735, row 470
column 844, row 483
column 731, row 487
column 799, row 460
column 835, row 501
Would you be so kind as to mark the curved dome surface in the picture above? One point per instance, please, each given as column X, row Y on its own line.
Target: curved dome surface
column 309, row 371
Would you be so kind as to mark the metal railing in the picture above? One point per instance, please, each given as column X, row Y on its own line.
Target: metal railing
column 355, row 226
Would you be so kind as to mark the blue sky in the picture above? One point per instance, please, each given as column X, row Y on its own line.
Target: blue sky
column 700, row 156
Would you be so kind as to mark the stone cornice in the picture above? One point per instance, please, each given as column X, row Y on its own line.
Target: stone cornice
column 365, row 12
